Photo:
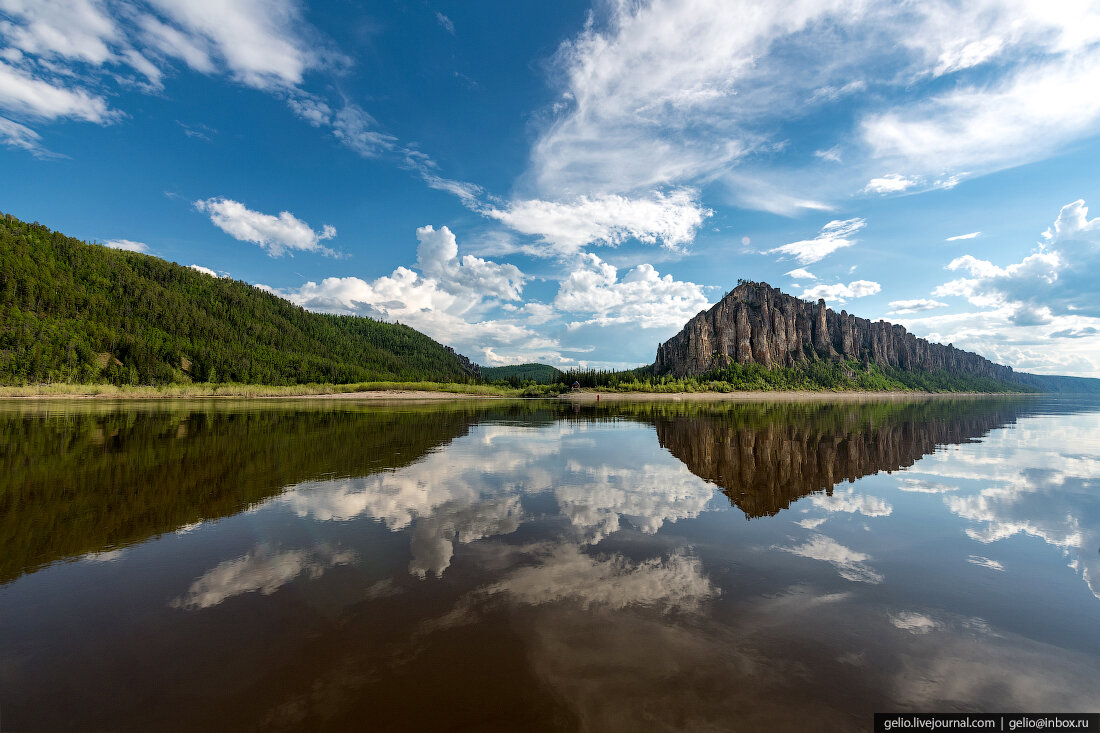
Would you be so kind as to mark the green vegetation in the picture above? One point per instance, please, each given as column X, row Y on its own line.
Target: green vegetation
column 816, row 375
column 210, row 389
column 72, row 313
column 517, row 374
column 1064, row 385
column 79, row 313
column 93, row 476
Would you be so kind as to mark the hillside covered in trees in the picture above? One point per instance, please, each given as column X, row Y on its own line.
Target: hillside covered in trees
column 77, row 312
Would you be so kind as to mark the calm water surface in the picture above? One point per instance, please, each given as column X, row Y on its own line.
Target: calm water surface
column 535, row 566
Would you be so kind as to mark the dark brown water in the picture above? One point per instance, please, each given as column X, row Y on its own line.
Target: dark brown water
column 531, row 566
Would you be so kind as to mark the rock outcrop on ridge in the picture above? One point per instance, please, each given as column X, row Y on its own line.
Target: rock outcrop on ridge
column 758, row 324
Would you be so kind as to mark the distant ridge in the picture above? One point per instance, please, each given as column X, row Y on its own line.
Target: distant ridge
column 758, row 324
column 541, row 373
column 77, row 312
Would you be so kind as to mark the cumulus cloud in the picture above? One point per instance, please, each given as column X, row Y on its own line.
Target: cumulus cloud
column 469, row 276
column 448, row 299
column 841, row 293
column 892, row 183
column 800, row 273
column 917, row 305
column 127, row 245
column 668, row 218
column 277, row 235
column 835, row 235
column 1056, row 279
column 203, row 270
column 642, row 297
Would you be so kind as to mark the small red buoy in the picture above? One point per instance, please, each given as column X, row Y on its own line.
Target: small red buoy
column 597, row 398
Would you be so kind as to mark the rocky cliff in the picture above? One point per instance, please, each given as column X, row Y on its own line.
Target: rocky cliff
column 756, row 323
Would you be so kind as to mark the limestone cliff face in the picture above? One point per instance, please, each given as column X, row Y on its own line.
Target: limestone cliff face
column 758, row 324
column 765, row 468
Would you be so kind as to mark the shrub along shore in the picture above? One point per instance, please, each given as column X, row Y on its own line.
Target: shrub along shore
column 436, row 390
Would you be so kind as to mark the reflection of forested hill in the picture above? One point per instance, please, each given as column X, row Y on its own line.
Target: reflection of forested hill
column 766, row 457
column 79, row 480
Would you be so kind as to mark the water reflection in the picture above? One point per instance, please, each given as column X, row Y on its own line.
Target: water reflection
column 765, row 459
column 532, row 566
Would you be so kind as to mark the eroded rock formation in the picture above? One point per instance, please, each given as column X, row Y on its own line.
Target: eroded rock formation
column 756, row 323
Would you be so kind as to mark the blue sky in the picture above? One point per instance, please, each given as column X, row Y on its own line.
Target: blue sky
column 570, row 182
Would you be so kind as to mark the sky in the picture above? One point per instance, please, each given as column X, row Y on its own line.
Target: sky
column 570, row 182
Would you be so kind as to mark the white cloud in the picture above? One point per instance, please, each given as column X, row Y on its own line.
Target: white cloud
column 277, row 235
column 260, row 570
column 892, row 183
column 669, row 218
column 128, row 245
column 1056, row 279
column 260, row 41
column 840, row 293
column 922, row 486
column 203, row 270
column 917, row 305
column 471, row 277
column 801, row 274
column 914, row 623
column 354, row 128
column 447, row 24
column 850, row 564
column 75, row 29
column 959, row 237
column 642, row 297
column 1021, row 118
column 851, row 502
column 24, row 95
column 60, row 56
column 1073, row 225
column 20, row 136
column 709, row 87
column 833, row 236
column 448, row 300
column 616, row 582
column 985, row 562
column 682, row 80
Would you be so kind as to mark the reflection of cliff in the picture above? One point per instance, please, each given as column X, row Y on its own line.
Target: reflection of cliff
column 79, row 480
column 765, row 458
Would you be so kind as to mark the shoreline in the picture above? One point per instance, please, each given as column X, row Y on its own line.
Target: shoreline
column 579, row 397
column 758, row 396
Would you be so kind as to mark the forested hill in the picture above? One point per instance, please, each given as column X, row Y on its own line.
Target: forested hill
column 77, row 312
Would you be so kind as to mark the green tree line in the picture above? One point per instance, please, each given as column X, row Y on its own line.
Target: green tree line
column 84, row 313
